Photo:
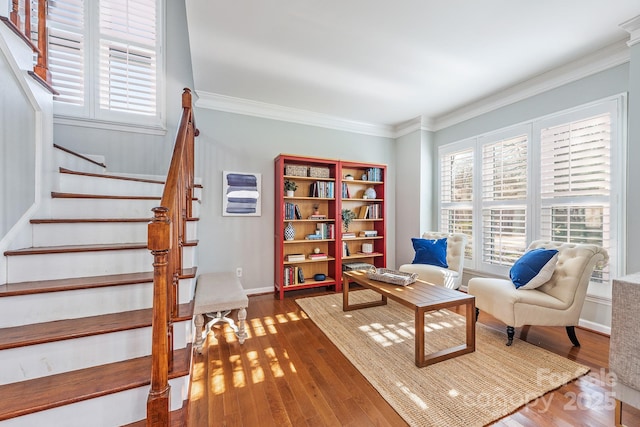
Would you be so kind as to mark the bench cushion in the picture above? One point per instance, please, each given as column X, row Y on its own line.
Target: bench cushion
column 219, row 292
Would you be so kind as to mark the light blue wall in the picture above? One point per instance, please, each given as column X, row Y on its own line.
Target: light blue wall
column 633, row 159
column 234, row 142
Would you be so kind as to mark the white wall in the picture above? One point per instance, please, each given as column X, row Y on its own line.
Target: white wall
column 233, row 142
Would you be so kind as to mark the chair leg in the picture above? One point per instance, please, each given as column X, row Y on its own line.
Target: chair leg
column 477, row 313
column 510, row 333
column 572, row 336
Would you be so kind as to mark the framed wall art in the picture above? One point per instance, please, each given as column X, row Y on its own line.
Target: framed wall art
column 241, row 193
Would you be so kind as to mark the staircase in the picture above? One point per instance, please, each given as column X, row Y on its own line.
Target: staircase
column 75, row 313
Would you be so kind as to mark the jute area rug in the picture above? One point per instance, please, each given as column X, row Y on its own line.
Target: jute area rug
column 470, row 390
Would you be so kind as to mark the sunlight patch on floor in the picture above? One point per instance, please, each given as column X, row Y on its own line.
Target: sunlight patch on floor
column 412, row 396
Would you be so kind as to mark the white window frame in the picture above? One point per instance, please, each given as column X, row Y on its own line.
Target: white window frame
column 90, row 114
column 617, row 107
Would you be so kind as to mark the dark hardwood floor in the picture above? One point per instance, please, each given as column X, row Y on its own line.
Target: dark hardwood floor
column 287, row 373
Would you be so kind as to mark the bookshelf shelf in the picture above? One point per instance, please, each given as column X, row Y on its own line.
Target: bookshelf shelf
column 315, row 177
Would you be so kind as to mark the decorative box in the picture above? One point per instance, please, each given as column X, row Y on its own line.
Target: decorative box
column 317, row 172
column 295, row 170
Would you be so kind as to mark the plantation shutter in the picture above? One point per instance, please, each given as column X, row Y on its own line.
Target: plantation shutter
column 576, row 183
column 67, row 49
column 504, row 200
column 128, row 57
column 456, row 195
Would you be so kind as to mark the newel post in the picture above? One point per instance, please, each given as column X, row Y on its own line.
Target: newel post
column 42, row 65
column 159, row 243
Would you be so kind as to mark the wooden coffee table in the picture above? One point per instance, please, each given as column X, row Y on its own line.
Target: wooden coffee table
column 421, row 297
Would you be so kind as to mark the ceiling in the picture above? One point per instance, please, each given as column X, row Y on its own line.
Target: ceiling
column 384, row 63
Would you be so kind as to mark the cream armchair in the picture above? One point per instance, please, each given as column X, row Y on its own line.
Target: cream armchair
column 448, row 277
column 558, row 302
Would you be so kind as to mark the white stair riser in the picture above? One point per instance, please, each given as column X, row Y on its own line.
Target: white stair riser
column 24, row 268
column 61, row 234
column 47, row 307
column 69, row 161
column 112, row 410
column 40, row 360
column 51, row 306
column 107, row 208
column 70, row 183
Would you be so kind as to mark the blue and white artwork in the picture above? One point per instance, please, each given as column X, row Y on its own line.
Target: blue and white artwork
column 241, row 194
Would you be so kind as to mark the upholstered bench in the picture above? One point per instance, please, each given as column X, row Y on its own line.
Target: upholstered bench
column 217, row 294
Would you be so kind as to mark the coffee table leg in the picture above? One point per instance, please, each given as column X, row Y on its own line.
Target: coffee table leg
column 419, row 338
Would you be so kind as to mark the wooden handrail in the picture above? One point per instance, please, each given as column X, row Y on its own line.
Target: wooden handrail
column 22, row 25
column 166, row 236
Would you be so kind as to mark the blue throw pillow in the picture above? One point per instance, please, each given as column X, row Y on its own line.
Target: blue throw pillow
column 428, row 251
column 534, row 268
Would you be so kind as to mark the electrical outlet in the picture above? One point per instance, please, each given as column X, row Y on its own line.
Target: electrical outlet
column 239, row 272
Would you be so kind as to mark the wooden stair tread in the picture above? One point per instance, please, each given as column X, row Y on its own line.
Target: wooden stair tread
column 75, row 248
column 44, row 393
column 58, row 330
column 86, row 220
column 73, row 153
column 94, row 220
column 58, row 195
column 58, row 285
column 110, row 176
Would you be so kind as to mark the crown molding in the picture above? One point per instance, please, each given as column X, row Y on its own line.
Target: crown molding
column 632, row 26
column 214, row 101
column 608, row 57
column 410, row 126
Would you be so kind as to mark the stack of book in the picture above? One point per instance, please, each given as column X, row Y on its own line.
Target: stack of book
column 318, row 216
column 318, row 256
column 346, row 235
column 295, row 257
column 368, row 233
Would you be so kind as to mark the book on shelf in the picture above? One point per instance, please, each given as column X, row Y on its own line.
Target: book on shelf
column 326, row 230
column 291, row 275
column 318, row 216
column 362, row 214
column 368, row 233
column 318, row 256
column 298, row 215
column 345, row 249
column 348, row 235
column 324, row 189
column 295, row 257
column 314, row 236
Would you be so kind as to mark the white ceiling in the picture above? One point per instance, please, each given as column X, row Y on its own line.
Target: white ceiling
column 384, row 63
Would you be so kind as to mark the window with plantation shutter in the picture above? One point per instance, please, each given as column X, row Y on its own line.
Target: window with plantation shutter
column 504, row 200
column 105, row 58
column 575, row 165
column 456, row 195
column 67, row 49
column 127, row 56
column 558, row 178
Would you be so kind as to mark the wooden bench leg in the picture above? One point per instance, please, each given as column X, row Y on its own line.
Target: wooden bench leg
column 242, row 333
column 199, row 322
